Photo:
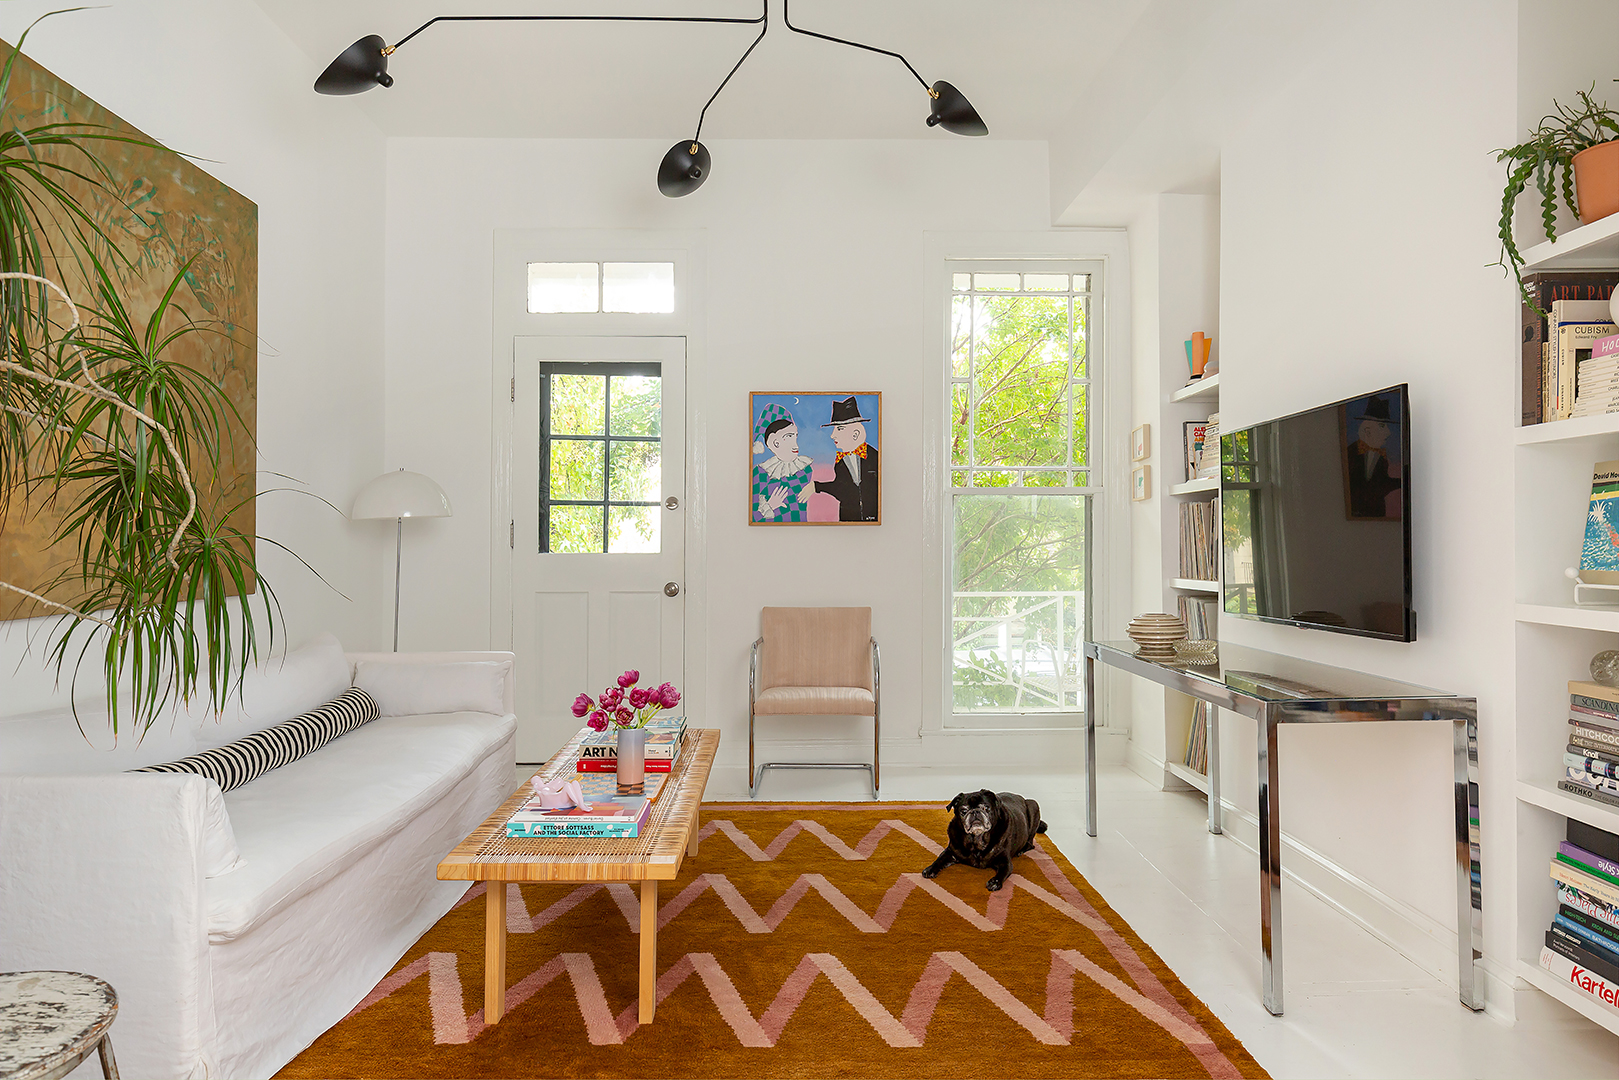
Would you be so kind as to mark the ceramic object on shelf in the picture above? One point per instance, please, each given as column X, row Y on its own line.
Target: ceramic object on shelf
column 1155, row 634
column 1199, row 652
column 1605, row 668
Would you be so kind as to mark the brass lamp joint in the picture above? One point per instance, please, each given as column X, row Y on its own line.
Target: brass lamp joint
column 388, row 50
column 932, row 93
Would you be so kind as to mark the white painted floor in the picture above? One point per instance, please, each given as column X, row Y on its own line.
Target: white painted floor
column 1354, row 1006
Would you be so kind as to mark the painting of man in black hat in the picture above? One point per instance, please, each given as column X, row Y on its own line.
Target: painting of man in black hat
column 855, row 475
column 1373, row 471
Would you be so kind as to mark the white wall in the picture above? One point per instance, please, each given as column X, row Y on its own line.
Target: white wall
column 1357, row 214
column 217, row 79
column 815, row 278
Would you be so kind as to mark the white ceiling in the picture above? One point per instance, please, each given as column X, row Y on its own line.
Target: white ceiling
column 1024, row 64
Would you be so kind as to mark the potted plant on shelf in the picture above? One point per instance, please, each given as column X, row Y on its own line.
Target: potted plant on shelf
column 1573, row 152
column 628, row 709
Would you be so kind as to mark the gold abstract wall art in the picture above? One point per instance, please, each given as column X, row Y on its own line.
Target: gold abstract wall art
column 167, row 210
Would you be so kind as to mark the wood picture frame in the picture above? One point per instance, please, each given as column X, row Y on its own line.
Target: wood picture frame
column 1141, row 483
column 1141, row 443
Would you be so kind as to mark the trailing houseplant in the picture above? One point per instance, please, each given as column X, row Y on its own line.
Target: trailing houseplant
column 101, row 423
column 1546, row 159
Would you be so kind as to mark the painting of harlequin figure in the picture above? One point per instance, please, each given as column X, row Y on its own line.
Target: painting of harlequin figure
column 815, row 459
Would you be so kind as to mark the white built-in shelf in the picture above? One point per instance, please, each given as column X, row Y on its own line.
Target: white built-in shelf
column 1186, row 584
column 1581, row 1003
column 1192, row 487
column 1548, row 796
column 1582, row 427
column 1581, row 618
column 1204, row 389
column 1196, row 779
column 1593, row 245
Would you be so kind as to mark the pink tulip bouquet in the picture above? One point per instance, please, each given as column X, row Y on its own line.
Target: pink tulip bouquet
column 626, row 705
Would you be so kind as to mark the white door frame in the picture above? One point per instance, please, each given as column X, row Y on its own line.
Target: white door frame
column 514, row 249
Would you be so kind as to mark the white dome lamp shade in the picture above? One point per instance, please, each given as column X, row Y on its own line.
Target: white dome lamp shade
column 400, row 495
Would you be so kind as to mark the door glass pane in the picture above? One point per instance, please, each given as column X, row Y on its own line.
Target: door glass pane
column 634, row 473
column 576, row 470
column 637, row 404
column 578, row 404
column 632, row 529
column 961, row 328
column 1018, row 602
column 640, row 287
column 558, row 287
column 995, row 282
column 576, row 529
column 1045, row 282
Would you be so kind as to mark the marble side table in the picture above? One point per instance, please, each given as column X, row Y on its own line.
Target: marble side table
column 52, row 1020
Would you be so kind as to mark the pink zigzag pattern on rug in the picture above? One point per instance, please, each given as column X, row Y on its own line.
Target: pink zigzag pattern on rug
column 994, row 917
column 1055, row 1027
column 1150, row 996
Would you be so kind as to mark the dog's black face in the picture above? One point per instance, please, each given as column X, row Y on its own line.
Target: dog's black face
column 977, row 811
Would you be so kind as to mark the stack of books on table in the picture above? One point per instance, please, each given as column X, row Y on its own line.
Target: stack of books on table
column 609, row 814
column 1582, row 944
column 1591, row 759
column 598, row 750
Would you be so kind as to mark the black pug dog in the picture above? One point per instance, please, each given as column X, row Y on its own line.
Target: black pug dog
column 988, row 832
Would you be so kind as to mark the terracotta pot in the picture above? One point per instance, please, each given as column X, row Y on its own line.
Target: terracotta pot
column 1596, row 181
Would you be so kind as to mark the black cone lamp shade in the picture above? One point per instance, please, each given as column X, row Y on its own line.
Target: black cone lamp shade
column 952, row 111
column 683, row 169
column 357, row 69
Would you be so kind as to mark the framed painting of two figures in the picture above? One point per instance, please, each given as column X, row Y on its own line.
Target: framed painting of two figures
column 815, row 459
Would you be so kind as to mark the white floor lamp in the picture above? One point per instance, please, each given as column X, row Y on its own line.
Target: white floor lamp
column 400, row 495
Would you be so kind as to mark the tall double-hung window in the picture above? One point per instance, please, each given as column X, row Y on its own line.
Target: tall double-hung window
column 1022, row 472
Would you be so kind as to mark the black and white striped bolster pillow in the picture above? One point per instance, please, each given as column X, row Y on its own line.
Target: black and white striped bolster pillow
column 249, row 758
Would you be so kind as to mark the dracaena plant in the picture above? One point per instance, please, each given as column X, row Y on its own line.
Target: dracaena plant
column 99, row 421
column 1546, row 159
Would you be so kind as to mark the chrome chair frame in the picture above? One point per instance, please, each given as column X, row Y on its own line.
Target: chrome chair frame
column 756, row 778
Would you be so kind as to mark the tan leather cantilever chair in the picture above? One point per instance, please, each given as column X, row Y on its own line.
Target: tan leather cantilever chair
column 815, row 661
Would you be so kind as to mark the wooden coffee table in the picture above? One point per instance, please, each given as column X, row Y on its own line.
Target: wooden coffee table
column 490, row 856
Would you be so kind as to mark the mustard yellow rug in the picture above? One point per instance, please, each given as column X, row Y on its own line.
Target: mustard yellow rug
column 802, row 941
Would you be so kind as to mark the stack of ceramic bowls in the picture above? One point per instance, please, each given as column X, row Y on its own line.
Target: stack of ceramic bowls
column 1155, row 635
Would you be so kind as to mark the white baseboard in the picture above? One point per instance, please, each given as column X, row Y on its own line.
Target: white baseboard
column 1429, row 944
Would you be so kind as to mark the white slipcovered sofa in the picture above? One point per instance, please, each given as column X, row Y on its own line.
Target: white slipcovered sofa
column 237, row 927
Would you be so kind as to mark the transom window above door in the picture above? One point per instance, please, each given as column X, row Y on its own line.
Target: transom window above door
column 601, row 473
column 634, row 288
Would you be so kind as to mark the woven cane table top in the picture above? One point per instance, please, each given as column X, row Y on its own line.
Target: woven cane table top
column 490, row 855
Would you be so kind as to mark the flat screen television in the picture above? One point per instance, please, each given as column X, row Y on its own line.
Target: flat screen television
column 1316, row 516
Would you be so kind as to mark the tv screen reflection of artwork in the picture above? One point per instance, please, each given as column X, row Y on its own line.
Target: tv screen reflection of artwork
column 1316, row 515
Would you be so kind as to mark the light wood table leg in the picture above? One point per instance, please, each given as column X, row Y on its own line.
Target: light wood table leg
column 494, row 953
column 696, row 826
column 649, row 950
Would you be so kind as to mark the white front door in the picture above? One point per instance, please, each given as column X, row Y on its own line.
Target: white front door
column 598, row 559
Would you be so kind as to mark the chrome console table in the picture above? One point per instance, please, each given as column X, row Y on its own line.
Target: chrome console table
column 1274, row 690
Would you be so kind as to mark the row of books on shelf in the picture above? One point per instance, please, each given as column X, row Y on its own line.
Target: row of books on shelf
column 1196, row 757
column 1197, row 615
column 1582, row 944
column 1565, row 371
column 1199, row 539
column 1201, row 443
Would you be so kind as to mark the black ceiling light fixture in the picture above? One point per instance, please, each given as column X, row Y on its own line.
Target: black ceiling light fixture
column 688, row 163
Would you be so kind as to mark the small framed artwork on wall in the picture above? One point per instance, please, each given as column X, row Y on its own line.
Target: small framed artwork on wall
column 1141, row 442
column 814, row 458
column 1141, row 483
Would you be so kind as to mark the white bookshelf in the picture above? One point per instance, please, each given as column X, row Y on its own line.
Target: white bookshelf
column 1186, row 584
column 1555, row 638
column 1205, row 389
column 1589, row 247
column 1196, row 487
